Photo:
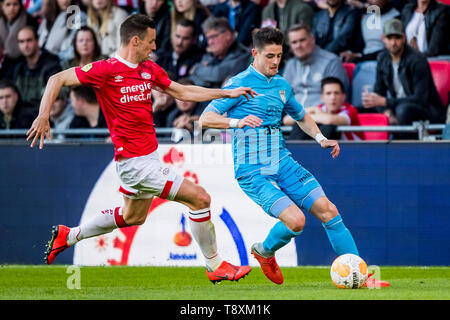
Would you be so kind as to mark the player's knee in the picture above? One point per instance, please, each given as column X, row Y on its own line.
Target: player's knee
column 297, row 223
column 330, row 212
column 324, row 210
column 293, row 218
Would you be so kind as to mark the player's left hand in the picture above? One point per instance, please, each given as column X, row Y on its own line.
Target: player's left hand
column 331, row 144
column 234, row 93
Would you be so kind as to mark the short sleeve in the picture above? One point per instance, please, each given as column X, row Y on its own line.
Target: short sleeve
column 223, row 105
column 93, row 74
column 160, row 77
column 293, row 108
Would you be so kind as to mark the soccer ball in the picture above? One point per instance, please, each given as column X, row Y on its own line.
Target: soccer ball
column 348, row 271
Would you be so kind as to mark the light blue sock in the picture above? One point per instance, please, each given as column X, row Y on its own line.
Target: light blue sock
column 278, row 237
column 340, row 237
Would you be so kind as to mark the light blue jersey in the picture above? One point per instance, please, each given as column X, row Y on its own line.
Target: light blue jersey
column 261, row 148
column 263, row 167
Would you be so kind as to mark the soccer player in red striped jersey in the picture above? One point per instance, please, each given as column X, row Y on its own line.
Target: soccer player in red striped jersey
column 123, row 87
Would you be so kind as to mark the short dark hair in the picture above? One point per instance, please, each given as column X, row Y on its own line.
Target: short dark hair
column 85, row 92
column 8, row 84
column 331, row 80
column 32, row 29
column 187, row 24
column 135, row 25
column 267, row 36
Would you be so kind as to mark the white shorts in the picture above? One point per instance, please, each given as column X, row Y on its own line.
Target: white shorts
column 146, row 176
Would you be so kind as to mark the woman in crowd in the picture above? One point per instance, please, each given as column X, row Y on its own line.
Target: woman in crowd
column 85, row 48
column 189, row 9
column 58, row 27
column 13, row 16
column 105, row 18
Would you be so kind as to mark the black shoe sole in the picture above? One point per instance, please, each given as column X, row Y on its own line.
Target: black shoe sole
column 50, row 243
column 218, row 281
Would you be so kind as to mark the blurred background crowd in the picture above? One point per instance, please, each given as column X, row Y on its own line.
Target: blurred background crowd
column 346, row 60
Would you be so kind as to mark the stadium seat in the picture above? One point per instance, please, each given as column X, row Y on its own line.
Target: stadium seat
column 374, row 119
column 349, row 68
column 441, row 76
column 447, row 2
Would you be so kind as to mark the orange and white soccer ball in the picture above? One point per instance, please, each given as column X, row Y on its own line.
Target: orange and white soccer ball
column 348, row 271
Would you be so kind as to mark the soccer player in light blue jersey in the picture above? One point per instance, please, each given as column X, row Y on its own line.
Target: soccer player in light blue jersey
column 264, row 167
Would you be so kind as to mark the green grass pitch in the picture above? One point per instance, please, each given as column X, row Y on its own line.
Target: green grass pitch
column 190, row 283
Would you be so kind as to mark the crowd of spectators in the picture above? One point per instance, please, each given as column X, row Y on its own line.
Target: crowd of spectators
column 205, row 42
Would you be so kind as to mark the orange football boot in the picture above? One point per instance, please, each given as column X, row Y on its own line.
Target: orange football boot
column 269, row 267
column 57, row 243
column 227, row 271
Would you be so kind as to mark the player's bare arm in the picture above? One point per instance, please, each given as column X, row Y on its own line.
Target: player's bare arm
column 200, row 94
column 309, row 126
column 41, row 126
column 327, row 118
column 211, row 119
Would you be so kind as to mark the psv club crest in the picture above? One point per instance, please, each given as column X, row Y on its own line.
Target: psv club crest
column 146, row 76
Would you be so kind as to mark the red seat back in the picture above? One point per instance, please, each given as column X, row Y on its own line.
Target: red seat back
column 350, row 69
column 441, row 76
column 374, row 119
column 447, row 2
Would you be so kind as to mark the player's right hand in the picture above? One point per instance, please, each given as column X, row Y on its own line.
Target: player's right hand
column 333, row 145
column 246, row 92
column 251, row 121
column 38, row 131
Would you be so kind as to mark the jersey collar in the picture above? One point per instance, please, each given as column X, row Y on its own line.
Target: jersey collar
column 127, row 63
column 259, row 74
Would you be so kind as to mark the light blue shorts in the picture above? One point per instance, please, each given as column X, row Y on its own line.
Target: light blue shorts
column 291, row 184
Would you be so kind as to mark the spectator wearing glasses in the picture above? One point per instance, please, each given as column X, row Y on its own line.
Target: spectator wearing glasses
column 225, row 56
